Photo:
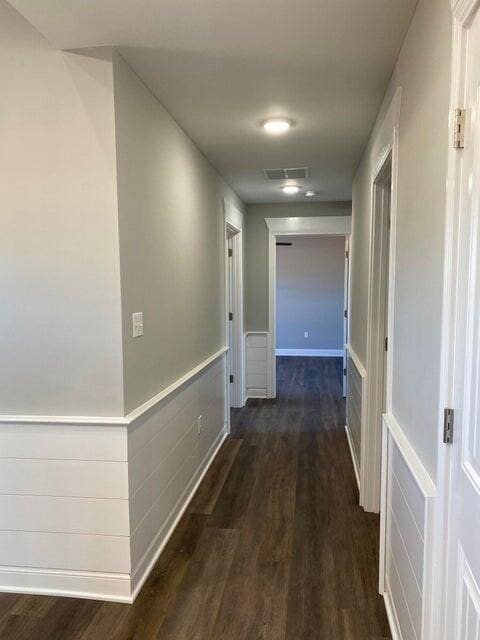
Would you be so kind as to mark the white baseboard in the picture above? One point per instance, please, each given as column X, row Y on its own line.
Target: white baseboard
column 392, row 617
column 73, row 584
column 354, row 460
column 315, row 353
column 146, row 564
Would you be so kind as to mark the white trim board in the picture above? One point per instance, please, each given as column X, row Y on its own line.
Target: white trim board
column 387, row 131
column 235, row 396
column 356, row 361
column 314, row 226
column 354, row 461
column 116, row 420
column 89, row 585
column 314, row 353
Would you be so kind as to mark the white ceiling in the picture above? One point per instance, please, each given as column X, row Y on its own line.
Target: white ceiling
column 221, row 66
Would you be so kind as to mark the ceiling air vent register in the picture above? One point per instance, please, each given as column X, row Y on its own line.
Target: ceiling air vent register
column 296, row 173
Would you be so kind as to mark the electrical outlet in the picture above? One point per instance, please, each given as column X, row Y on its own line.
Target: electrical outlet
column 305, row 334
column 199, row 425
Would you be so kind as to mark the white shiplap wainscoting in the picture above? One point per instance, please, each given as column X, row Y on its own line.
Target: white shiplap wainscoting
column 87, row 505
column 64, row 523
column 408, row 501
column 169, row 450
column 356, row 397
column 256, row 344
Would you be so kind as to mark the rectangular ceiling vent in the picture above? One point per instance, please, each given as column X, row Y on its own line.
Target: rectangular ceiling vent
column 296, row 173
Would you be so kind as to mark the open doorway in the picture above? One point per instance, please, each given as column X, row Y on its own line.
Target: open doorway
column 310, row 301
column 234, row 316
column 378, row 343
column 287, row 227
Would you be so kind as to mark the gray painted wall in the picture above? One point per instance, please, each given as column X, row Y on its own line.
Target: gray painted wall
column 61, row 347
column 423, row 73
column 256, row 251
column 310, row 282
column 171, row 242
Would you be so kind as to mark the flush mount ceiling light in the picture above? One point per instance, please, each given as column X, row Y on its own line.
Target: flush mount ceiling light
column 290, row 189
column 276, row 126
column 310, row 193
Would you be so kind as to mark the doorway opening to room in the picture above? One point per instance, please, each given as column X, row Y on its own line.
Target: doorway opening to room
column 379, row 341
column 312, row 308
column 234, row 317
column 294, row 337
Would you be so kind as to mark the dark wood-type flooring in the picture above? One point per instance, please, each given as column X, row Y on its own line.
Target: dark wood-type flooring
column 272, row 547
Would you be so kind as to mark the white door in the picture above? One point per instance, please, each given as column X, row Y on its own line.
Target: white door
column 463, row 578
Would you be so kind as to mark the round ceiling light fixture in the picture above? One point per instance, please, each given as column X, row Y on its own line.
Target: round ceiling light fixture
column 276, row 126
column 290, row 189
column 310, row 193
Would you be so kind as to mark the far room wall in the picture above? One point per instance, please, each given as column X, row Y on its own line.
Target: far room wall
column 310, row 282
column 256, row 250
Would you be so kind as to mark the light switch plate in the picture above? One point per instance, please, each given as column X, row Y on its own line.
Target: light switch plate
column 137, row 324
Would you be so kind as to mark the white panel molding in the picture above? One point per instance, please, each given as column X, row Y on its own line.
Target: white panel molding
column 256, row 364
column 251, row 334
column 316, row 353
column 406, row 542
column 355, row 395
column 314, row 226
column 117, row 420
column 352, row 453
column 256, row 393
column 150, row 557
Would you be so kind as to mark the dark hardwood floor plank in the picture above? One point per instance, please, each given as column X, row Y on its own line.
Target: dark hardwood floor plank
column 232, row 504
column 193, row 615
column 147, row 614
column 207, row 495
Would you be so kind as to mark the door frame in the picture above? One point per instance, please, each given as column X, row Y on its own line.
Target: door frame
column 314, row 226
column 463, row 13
column 233, row 223
column 378, row 399
column 372, row 462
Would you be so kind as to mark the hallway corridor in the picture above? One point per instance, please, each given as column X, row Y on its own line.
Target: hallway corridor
column 273, row 545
